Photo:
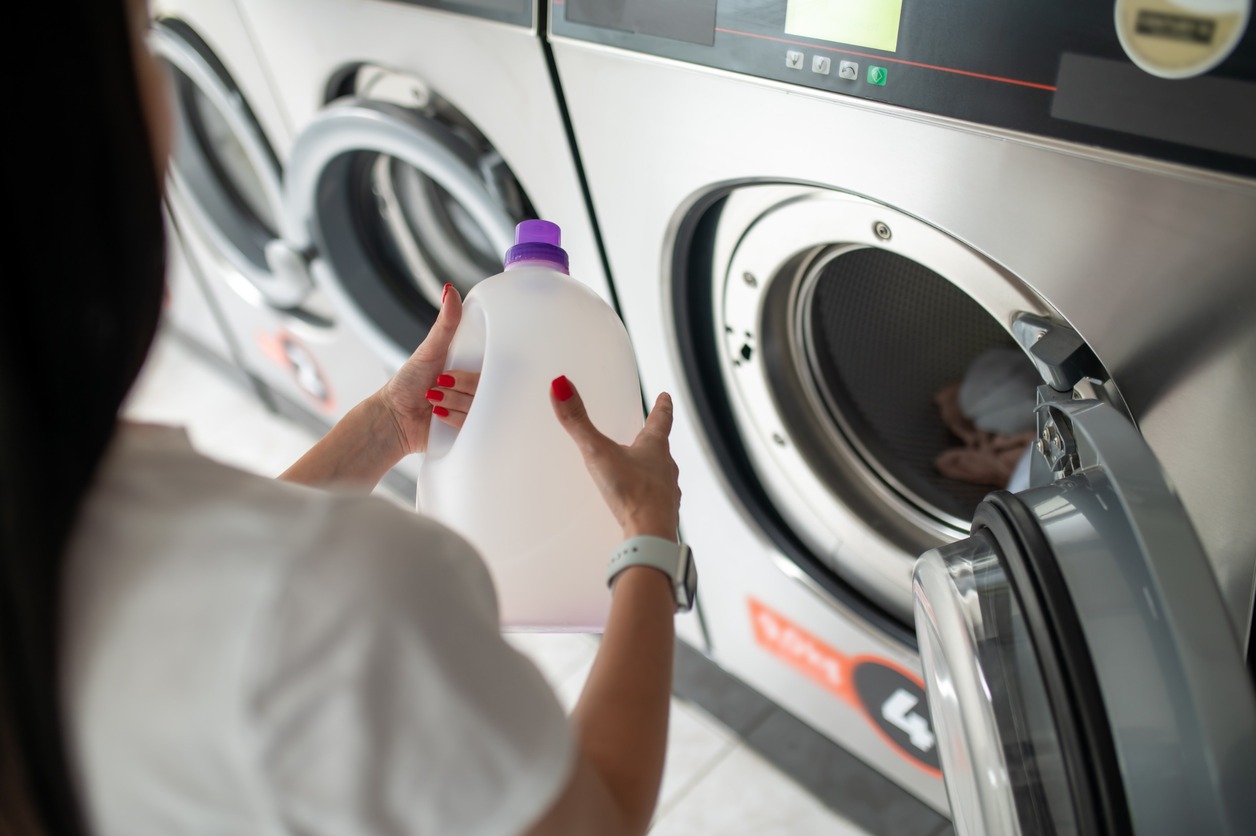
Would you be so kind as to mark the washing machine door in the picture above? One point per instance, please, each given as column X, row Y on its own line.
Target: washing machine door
column 1081, row 670
column 224, row 172
column 386, row 204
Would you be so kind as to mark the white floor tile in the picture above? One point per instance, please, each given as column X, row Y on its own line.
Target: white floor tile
column 569, row 689
column 744, row 795
column 695, row 744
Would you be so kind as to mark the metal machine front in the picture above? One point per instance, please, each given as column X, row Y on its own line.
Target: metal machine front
column 1011, row 172
column 1075, row 72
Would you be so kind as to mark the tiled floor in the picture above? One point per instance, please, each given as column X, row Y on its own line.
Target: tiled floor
column 713, row 784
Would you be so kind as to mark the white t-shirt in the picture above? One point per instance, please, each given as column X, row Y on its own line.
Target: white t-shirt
column 246, row 656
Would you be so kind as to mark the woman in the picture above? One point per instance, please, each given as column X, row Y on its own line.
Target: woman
column 189, row 648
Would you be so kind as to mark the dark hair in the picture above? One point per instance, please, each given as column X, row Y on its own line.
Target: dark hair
column 82, row 282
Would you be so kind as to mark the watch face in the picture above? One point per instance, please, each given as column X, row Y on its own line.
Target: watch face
column 690, row 572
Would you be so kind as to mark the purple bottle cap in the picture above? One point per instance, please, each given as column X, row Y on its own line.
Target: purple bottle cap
column 538, row 241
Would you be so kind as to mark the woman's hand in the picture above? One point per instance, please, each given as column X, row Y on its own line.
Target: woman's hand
column 639, row 481
column 389, row 425
column 423, row 387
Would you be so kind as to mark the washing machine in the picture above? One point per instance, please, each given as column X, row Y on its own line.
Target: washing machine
column 830, row 213
column 209, row 179
column 225, row 194
column 422, row 134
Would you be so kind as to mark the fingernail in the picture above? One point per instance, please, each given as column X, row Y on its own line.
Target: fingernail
column 435, row 394
column 446, row 380
column 445, row 293
column 562, row 388
column 440, row 411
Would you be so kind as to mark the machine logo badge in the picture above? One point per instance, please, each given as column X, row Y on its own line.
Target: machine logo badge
column 891, row 699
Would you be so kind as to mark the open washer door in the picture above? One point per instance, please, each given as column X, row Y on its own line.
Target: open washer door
column 1081, row 670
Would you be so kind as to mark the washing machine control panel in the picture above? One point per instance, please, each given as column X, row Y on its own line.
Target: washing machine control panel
column 1067, row 70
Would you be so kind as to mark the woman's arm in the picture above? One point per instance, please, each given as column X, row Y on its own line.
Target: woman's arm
column 621, row 717
column 356, row 452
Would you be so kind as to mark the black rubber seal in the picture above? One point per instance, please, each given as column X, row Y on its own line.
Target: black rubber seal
column 1068, row 671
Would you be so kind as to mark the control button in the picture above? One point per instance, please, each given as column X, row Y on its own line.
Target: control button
column 877, row 76
column 793, row 59
column 848, row 70
column 821, row 64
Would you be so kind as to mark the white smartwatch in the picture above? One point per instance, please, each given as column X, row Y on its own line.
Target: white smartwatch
column 674, row 559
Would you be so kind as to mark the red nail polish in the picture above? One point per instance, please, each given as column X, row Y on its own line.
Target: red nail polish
column 440, row 411
column 435, row 395
column 562, row 388
column 446, row 380
column 445, row 293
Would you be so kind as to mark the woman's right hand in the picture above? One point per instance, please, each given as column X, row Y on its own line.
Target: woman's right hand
column 639, row 481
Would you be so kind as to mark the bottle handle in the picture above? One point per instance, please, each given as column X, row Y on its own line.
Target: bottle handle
column 466, row 352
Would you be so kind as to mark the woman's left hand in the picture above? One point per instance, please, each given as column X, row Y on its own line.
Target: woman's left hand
column 423, row 386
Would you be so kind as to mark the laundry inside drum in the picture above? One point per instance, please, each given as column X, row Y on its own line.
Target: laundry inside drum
column 890, row 346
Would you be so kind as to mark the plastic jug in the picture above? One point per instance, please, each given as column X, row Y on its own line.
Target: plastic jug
column 511, row 480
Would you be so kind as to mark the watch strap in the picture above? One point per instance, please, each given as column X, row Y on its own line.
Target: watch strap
column 668, row 556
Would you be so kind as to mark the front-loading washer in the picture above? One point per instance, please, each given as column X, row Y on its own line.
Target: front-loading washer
column 441, row 122
column 422, row 135
column 846, row 206
column 224, row 196
column 392, row 187
column 225, row 192
column 198, row 42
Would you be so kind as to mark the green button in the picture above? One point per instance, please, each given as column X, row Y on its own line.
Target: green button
column 876, row 75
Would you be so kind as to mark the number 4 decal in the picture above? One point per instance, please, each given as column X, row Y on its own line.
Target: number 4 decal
column 898, row 711
column 890, row 698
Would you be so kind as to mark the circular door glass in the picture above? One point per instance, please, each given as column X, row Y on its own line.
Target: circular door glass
column 886, row 340
column 225, row 178
column 222, row 149
column 226, row 171
column 849, row 339
column 1000, row 751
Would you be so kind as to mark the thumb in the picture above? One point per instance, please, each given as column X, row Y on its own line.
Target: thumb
column 569, row 407
column 436, row 344
column 659, row 422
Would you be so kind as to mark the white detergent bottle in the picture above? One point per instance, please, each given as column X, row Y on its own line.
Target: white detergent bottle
column 511, row 480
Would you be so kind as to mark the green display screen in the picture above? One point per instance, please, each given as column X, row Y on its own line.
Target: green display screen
column 867, row 23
